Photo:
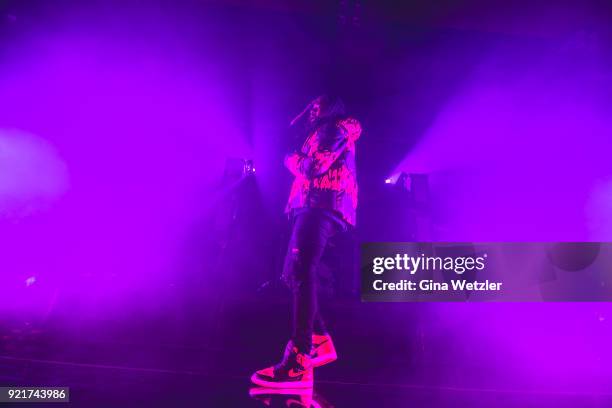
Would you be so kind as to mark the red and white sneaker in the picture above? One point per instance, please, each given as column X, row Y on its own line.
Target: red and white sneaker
column 323, row 350
column 295, row 371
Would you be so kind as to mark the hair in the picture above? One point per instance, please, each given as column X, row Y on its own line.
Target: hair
column 332, row 107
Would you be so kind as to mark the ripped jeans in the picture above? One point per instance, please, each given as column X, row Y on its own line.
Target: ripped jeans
column 312, row 230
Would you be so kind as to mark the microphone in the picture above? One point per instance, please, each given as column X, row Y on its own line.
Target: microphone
column 302, row 113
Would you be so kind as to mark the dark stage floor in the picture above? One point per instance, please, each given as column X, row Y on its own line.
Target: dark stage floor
column 155, row 364
column 105, row 385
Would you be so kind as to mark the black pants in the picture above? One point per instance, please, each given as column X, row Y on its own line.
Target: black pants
column 312, row 229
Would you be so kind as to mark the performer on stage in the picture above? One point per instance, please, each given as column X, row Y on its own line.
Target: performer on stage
column 322, row 203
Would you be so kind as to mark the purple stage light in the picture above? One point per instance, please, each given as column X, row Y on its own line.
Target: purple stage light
column 115, row 159
column 524, row 141
column 115, row 142
column 249, row 167
column 32, row 174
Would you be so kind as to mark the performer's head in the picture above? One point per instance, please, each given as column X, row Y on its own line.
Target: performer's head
column 325, row 107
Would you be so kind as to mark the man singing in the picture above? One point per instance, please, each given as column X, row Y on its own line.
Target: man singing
column 322, row 203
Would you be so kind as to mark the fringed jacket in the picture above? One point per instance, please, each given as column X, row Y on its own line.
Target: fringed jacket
column 325, row 171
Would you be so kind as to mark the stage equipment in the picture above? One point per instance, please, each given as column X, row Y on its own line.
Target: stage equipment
column 237, row 168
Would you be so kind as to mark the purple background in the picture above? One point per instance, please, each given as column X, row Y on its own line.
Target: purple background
column 116, row 119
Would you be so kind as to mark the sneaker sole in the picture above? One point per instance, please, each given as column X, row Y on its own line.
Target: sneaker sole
column 259, row 391
column 279, row 384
